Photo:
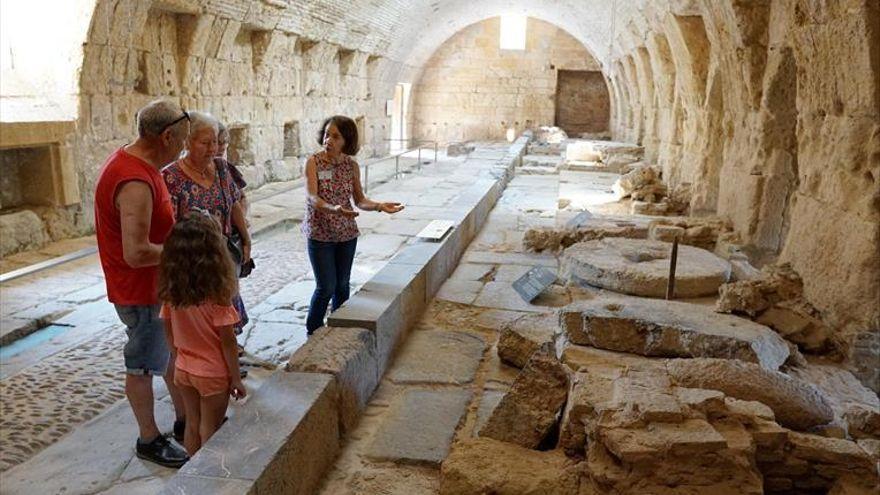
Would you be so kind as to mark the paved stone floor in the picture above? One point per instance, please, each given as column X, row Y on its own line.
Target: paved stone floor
column 65, row 426
column 464, row 377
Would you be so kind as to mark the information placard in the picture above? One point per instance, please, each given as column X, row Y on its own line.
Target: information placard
column 530, row 285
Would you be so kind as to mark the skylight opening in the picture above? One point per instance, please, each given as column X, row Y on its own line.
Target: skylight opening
column 513, row 32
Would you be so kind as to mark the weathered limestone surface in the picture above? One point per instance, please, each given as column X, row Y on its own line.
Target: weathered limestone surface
column 581, row 151
column 778, row 283
column 775, row 299
column 796, row 404
column 652, row 327
column 520, row 339
column 700, row 232
column 528, row 411
column 484, row 465
column 641, row 267
column 349, row 354
column 641, row 433
column 21, row 230
column 292, row 418
column 438, row 357
column 539, row 239
column 794, row 320
column 812, row 463
column 855, row 404
column 419, row 427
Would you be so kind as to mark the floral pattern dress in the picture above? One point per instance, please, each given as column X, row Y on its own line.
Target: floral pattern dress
column 188, row 195
column 335, row 186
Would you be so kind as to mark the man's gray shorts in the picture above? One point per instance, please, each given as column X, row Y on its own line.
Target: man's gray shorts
column 146, row 352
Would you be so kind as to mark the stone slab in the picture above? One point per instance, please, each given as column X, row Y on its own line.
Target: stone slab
column 379, row 246
column 530, row 408
column 510, row 259
column 795, row 403
column 349, row 354
column 283, row 441
column 652, row 327
column 459, row 291
column 365, row 309
column 472, row 272
column 526, row 335
column 419, row 427
column 690, row 437
column 438, row 357
column 641, row 267
column 198, row 485
column 501, row 295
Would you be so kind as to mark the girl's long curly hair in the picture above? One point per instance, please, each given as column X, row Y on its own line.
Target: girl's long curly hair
column 196, row 266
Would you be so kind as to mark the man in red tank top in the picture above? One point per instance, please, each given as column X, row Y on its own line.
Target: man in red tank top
column 133, row 216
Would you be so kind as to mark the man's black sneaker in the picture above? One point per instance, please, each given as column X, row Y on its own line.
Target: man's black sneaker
column 179, row 430
column 162, row 452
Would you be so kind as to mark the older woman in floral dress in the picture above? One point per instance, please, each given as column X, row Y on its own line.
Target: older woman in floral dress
column 198, row 182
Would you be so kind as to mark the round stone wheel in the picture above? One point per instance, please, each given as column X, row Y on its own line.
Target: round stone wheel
column 641, row 267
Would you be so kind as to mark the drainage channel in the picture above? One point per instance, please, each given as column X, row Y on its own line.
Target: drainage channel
column 39, row 336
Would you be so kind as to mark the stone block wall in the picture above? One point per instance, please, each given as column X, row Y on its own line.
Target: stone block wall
column 271, row 79
column 471, row 89
column 771, row 112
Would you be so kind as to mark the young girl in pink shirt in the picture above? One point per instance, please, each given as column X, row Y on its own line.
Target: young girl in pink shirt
column 196, row 285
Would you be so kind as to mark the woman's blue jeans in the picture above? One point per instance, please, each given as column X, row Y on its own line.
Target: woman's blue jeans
column 331, row 264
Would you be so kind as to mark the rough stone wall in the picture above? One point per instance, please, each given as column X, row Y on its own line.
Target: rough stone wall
column 242, row 64
column 771, row 111
column 471, row 89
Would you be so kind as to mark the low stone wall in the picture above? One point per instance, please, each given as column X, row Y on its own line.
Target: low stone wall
column 287, row 437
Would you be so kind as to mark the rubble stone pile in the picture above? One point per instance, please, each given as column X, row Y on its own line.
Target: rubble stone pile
column 776, row 300
column 702, row 232
column 540, row 239
column 622, row 396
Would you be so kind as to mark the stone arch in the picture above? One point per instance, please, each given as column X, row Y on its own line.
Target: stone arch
column 631, row 80
column 664, row 94
column 645, row 74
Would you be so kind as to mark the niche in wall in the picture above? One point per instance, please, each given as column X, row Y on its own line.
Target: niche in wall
column 292, row 146
column 36, row 170
column 239, row 150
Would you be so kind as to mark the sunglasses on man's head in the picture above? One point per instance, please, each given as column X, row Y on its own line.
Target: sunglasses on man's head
column 185, row 116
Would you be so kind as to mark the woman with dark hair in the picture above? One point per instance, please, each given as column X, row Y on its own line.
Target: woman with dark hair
column 333, row 180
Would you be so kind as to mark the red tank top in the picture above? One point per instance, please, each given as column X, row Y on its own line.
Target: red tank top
column 127, row 285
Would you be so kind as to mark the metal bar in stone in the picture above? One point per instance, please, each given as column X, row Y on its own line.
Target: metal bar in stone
column 670, row 287
column 419, row 159
column 43, row 265
column 397, row 167
column 435, row 151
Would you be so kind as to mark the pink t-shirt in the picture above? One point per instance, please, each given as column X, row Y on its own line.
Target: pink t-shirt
column 197, row 337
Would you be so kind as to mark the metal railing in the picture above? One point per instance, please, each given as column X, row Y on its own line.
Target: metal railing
column 420, row 145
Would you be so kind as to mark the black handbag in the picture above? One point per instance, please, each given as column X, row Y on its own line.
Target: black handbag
column 235, row 244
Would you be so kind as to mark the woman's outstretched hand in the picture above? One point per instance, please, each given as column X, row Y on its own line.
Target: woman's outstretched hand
column 390, row 207
column 346, row 212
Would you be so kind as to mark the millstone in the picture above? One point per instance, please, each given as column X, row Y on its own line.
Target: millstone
column 641, row 267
